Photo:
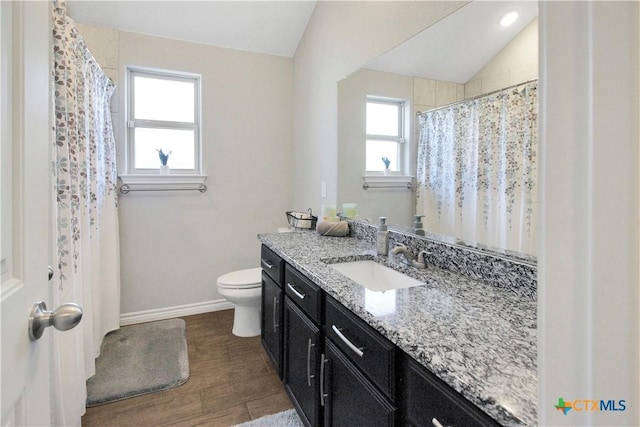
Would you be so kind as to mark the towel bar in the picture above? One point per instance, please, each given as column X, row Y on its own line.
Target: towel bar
column 126, row 188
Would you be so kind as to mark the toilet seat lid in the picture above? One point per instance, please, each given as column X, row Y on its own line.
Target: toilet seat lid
column 249, row 278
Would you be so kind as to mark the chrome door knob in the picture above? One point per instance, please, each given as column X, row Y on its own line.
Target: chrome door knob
column 65, row 317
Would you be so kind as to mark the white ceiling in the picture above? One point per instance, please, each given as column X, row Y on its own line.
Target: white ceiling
column 458, row 46
column 453, row 49
column 271, row 27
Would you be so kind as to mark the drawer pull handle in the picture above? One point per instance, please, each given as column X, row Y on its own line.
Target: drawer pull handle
column 266, row 264
column 323, row 361
column 298, row 294
column 355, row 349
column 309, row 376
column 275, row 304
column 436, row 423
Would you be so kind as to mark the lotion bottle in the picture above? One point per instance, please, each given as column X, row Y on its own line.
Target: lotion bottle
column 382, row 237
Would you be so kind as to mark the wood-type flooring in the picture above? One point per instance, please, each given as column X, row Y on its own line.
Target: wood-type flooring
column 231, row 381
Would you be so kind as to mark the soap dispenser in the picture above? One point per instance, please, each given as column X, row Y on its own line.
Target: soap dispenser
column 417, row 226
column 382, row 237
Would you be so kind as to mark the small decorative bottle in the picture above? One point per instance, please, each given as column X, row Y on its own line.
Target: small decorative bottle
column 382, row 237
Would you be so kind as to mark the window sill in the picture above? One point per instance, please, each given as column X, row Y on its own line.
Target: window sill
column 387, row 181
column 157, row 182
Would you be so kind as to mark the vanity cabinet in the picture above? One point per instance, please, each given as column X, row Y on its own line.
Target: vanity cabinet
column 271, row 322
column 302, row 345
column 340, row 371
column 430, row 402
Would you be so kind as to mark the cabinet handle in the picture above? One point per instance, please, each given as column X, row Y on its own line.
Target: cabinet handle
column 309, row 376
column 323, row 361
column 275, row 304
column 344, row 339
column 436, row 423
column 298, row 294
column 266, row 264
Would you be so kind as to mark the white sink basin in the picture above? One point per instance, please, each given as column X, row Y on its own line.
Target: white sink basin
column 374, row 276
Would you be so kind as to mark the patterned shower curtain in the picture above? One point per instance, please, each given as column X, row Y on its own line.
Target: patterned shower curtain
column 477, row 169
column 85, row 213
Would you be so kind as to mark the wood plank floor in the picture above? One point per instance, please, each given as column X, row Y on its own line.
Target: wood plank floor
column 231, row 381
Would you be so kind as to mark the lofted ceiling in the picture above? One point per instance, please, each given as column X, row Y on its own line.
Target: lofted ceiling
column 452, row 49
column 458, row 46
column 271, row 27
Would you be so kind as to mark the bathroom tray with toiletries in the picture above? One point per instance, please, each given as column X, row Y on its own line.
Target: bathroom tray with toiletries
column 302, row 220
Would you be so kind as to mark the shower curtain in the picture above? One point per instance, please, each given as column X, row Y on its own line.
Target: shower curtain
column 477, row 171
column 85, row 215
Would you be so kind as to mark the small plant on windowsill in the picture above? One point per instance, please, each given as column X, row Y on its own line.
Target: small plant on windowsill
column 386, row 162
column 164, row 158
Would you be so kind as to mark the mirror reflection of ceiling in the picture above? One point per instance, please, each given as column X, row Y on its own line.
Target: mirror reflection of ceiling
column 466, row 51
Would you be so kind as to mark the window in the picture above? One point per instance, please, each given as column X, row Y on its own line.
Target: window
column 385, row 134
column 163, row 114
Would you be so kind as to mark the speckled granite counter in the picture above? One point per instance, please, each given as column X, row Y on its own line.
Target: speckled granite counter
column 478, row 338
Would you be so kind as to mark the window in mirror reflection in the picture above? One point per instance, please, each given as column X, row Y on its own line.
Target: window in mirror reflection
column 385, row 134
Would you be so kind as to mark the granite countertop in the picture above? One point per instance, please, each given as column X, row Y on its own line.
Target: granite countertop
column 479, row 339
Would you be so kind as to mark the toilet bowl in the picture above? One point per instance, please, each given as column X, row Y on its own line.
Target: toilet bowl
column 243, row 289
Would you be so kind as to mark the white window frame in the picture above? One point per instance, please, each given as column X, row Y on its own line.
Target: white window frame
column 132, row 124
column 400, row 139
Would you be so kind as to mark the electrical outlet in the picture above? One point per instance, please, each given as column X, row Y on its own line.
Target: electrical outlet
column 323, row 189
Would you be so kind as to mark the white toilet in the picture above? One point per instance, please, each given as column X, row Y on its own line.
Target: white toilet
column 243, row 288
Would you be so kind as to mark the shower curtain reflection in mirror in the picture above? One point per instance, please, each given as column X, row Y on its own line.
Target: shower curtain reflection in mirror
column 477, row 169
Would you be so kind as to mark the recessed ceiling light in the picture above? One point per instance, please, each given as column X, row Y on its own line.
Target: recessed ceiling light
column 508, row 18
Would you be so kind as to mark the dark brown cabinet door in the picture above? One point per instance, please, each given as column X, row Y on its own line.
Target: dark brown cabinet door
column 349, row 398
column 271, row 321
column 301, row 363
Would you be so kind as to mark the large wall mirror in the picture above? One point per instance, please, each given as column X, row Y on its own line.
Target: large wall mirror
column 466, row 56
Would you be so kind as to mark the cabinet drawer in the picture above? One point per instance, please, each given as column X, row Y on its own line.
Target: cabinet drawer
column 363, row 345
column 428, row 398
column 272, row 264
column 303, row 292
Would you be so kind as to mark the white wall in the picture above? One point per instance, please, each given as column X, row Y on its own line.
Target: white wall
column 175, row 244
column 589, row 269
column 340, row 38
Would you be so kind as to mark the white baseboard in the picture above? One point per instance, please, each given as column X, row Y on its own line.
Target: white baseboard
column 173, row 312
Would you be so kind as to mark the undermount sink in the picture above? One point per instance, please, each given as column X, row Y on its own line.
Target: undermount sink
column 375, row 276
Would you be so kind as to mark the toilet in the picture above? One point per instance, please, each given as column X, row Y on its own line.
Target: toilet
column 243, row 289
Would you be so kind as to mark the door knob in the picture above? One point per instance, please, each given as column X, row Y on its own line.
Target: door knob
column 65, row 317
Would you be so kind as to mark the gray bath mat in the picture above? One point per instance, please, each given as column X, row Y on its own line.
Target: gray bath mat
column 281, row 419
column 140, row 359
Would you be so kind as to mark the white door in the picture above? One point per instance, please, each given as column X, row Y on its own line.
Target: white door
column 25, row 194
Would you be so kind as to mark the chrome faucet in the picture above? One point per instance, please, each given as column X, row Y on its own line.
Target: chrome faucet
column 408, row 258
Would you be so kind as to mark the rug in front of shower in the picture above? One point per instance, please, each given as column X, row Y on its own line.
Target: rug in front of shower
column 140, row 359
